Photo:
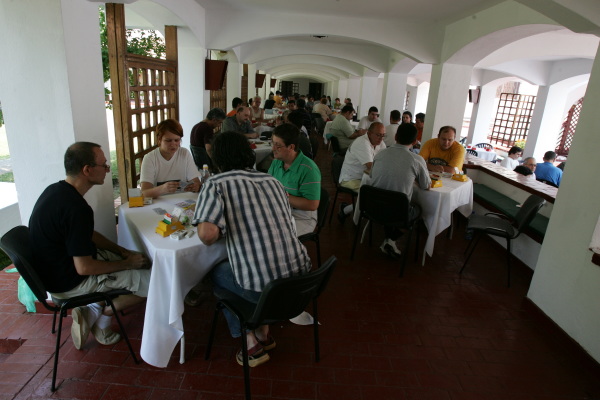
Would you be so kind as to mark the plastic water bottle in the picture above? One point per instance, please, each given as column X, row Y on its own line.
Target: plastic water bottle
column 205, row 173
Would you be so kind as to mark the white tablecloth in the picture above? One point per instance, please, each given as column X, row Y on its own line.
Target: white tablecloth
column 328, row 127
column 437, row 205
column 177, row 266
column 485, row 155
column 263, row 149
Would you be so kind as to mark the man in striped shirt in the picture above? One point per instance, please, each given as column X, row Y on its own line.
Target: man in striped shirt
column 251, row 210
column 299, row 176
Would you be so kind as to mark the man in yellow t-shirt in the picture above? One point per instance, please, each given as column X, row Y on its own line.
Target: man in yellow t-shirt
column 446, row 148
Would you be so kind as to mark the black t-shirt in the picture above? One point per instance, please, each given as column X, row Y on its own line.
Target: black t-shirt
column 60, row 228
column 269, row 104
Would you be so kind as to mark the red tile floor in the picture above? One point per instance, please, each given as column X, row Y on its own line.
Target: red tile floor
column 428, row 335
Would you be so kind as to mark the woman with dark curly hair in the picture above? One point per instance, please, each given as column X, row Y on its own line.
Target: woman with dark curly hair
column 251, row 210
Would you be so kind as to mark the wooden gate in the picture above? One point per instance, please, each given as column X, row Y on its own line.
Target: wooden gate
column 565, row 138
column 144, row 93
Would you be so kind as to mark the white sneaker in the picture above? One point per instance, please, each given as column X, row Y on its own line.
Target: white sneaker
column 389, row 247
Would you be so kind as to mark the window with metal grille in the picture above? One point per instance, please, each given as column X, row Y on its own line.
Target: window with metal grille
column 512, row 119
column 565, row 138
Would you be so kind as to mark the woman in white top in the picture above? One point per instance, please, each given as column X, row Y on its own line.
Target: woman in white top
column 512, row 161
column 166, row 166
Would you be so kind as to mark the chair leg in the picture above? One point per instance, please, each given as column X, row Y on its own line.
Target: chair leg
column 54, row 322
column 508, row 262
column 125, row 335
column 333, row 206
column 405, row 255
column 316, row 331
column 475, row 242
column 318, row 243
column 355, row 238
column 213, row 328
column 246, row 364
column 63, row 314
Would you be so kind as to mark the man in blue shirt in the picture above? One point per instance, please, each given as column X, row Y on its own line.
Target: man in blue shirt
column 547, row 172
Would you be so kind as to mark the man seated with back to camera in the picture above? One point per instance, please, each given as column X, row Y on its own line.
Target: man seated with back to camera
column 397, row 168
column 446, row 148
column 257, row 253
column 72, row 259
column 299, row 175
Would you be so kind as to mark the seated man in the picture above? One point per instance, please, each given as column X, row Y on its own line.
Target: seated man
column 390, row 130
column 229, row 205
column 72, row 259
column 235, row 104
column 359, row 160
column 419, row 123
column 367, row 120
column 446, row 148
column 530, row 163
column 546, row 171
column 512, row 160
column 204, row 131
column 306, row 118
column 397, row 168
column 240, row 122
column 343, row 130
column 299, row 176
column 322, row 109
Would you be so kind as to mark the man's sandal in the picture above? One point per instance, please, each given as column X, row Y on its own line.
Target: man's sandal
column 256, row 356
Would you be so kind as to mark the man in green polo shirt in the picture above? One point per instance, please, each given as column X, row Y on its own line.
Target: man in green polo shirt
column 299, row 175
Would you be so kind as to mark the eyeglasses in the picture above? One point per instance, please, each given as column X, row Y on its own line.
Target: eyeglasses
column 105, row 166
column 380, row 135
column 278, row 145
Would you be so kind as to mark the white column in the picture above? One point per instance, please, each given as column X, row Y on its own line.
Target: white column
column 342, row 90
column 392, row 97
column 251, row 80
column 546, row 121
column 565, row 282
column 422, row 95
column 47, row 111
column 234, row 81
column 192, row 107
column 368, row 95
column 448, row 97
column 482, row 115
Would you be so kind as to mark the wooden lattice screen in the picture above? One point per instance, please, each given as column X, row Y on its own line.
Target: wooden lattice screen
column 144, row 93
column 512, row 119
column 565, row 138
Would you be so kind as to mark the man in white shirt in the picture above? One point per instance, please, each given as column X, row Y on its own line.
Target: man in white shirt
column 390, row 130
column 366, row 121
column 359, row 160
column 512, row 160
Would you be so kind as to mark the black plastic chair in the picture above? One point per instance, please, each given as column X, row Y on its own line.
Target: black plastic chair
column 336, row 170
column 438, row 161
column 201, row 157
column 486, row 146
column 314, row 145
column 321, row 216
column 501, row 225
column 335, row 147
column 319, row 122
column 547, row 182
column 15, row 244
column 389, row 208
column 280, row 300
column 472, row 152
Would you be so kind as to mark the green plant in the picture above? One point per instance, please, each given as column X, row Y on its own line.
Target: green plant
column 7, row 177
column 521, row 143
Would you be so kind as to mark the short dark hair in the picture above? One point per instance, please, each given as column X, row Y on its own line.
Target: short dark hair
column 447, row 128
column 216, row 113
column 373, row 109
column 78, row 155
column 408, row 113
column 231, row 150
column 169, row 125
column 235, row 103
column 515, row 150
column 347, row 108
column 406, row 134
column 549, row 155
column 301, row 103
column 295, row 118
column 323, row 100
column 523, row 170
column 395, row 115
column 420, row 117
column 291, row 101
column 289, row 133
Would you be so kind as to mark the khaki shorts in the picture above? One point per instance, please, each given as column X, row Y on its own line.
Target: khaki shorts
column 136, row 280
column 353, row 184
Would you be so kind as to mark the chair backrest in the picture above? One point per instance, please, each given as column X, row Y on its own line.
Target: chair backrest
column 486, row 146
column 15, row 244
column 386, row 207
column 528, row 211
column 335, row 145
column 336, row 168
column 438, row 161
column 472, row 152
column 200, row 157
column 322, row 210
column 285, row 298
column 314, row 145
column 547, row 182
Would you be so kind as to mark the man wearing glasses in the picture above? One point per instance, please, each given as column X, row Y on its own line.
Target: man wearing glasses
column 73, row 259
column 359, row 160
column 366, row 121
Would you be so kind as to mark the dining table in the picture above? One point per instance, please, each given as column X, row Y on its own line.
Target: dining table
column 262, row 150
column 437, row 205
column 177, row 266
column 487, row 155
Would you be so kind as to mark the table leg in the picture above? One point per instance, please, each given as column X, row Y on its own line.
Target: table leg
column 182, row 349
